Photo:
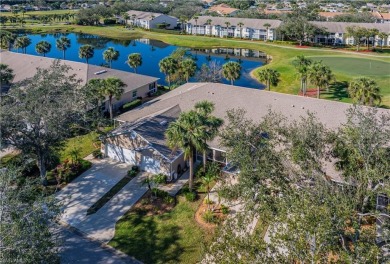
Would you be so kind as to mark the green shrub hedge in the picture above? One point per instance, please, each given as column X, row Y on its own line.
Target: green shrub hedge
column 128, row 106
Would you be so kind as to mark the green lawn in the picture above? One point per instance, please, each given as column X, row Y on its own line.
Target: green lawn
column 85, row 144
column 173, row 237
column 40, row 13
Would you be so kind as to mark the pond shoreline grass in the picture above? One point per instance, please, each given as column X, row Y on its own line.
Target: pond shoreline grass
column 282, row 55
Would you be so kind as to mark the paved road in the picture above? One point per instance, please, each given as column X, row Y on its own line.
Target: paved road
column 76, row 249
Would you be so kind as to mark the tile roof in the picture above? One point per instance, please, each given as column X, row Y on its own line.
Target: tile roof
column 341, row 27
column 145, row 15
column 255, row 102
column 248, row 22
column 25, row 66
column 330, row 14
column 223, row 9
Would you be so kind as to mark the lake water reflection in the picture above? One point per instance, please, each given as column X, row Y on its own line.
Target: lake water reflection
column 152, row 52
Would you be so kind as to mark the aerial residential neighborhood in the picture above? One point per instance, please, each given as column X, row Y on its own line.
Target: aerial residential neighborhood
column 194, row 131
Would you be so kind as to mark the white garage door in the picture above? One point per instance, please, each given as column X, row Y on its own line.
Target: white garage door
column 150, row 165
column 120, row 154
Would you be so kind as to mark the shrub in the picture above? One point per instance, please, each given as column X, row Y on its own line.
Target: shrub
column 169, row 199
column 160, row 193
column 224, row 209
column 97, row 154
column 128, row 106
column 208, row 216
column 190, row 196
column 207, row 201
column 135, row 168
column 109, row 21
column 132, row 173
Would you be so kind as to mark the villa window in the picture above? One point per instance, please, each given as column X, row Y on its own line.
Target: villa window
column 134, row 93
column 152, row 87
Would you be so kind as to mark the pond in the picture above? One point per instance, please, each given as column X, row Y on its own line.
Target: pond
column 152, row 52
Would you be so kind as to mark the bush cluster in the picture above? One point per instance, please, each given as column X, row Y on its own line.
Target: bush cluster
column 190, row 196
column 128, row 106
column 208, row 216
column 133, row 172
column 97, row 154
column 68, row 171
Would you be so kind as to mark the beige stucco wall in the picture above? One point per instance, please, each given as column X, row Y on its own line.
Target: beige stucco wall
column 128, row 97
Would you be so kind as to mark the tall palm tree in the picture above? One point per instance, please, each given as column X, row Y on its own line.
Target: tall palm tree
column 22, row 43
column 207, row 180
column 113, row 88
column 240, row 24
column 302, row 64
column 365, row 91
column 168, row 66
column 383, row 36
column 196, row 23
column 209, row 122
column 188, row 68
column 183, row 20
column 93, row 92
column 227, row 28
column 208, row 22
column 270, row 77
column 7, row 39
column 43, row 47
column 86, row 52
column 320, row 75
column 110, row 54
column 63, row 44
column 134, row 60
column 267, row 26
column 126, row 17
column 231, row 71
column 186, row 134
column 372, row 34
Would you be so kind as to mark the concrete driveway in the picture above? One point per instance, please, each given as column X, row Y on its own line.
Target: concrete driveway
column 79, row 195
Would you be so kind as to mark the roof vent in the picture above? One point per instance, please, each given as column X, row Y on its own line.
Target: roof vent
column 164, row 122
column 100, row 72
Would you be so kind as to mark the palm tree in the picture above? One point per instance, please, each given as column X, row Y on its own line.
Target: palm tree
column 302, row 65
column 383, row 36
column 207, row 180
column 22, row 43
column 196, row 23
column 126, row 17
column 110, row 54
column 183, row 20
column 365, row 91
column 270, row 77
column 231, row 71
column 43, row 47
column 93, row 91
column 208, row 22
column 113, row 88
column 240, row 24
column 372, row 33
column 134, row 60
column 186, row 134
column 209, row 122
column 6, row 76
column 188, row 68
column 227, row 28
column 267, row 26
column 320, row 75
column 63, row 44
column 168, row 66
column 86, row 52
column 7, row 39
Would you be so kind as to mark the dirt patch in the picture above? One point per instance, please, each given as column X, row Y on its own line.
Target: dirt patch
column 150, row 205
column 310, row 93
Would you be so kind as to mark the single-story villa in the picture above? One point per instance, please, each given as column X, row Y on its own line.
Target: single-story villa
column 140, row 138
column 25, row 66
column 149, row 20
